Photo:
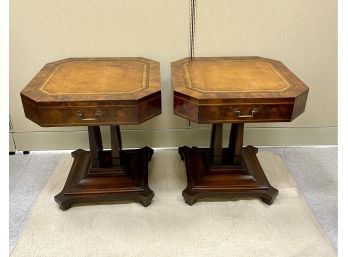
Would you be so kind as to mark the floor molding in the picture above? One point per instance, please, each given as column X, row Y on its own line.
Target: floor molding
column 177, row 137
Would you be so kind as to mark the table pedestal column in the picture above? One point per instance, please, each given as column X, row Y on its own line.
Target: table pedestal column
column 225, row 172
column 107, row 175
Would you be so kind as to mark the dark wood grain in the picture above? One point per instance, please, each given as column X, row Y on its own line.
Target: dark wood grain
column 208, row 90
column 94, row 91
column 116, row 144
column 216, row 142
column 95, row 145
column 233, row 90
column 236, row 140
column 86, row 184
column 236, row 173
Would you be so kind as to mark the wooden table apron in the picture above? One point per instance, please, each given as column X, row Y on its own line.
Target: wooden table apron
column 93, row 92
column 233, row 90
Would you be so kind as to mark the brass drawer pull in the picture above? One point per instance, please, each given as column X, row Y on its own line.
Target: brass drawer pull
column 236, row 111
column 82, row 116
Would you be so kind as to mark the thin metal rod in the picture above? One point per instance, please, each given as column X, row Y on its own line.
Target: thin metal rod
column 192, row 28
column 192, row 36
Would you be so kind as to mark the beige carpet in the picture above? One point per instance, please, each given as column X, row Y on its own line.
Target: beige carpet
column 169, row 227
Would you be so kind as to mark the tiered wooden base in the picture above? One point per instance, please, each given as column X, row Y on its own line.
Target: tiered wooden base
column 99, row 175
column 225, row 172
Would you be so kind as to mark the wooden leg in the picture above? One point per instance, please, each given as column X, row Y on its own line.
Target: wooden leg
column 116, row 145
column 95, row 145
column 236, row 140
column 216, row 142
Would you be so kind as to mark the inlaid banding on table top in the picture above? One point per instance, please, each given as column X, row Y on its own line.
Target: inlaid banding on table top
column 94, row 91
column 97, row 77
column 98, row 92
column 218, row 89
column 233, row 75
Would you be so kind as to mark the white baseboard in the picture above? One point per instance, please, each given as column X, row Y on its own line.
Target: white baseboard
column 177, row 137
column 11, row 147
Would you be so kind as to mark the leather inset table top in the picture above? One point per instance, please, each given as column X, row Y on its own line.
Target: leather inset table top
column 97, row 77
column 233, row 76
column 237, row 90
column 94, row 91
column 94, row 79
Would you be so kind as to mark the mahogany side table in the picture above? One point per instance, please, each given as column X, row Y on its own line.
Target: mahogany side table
column 234, row 90
column 93, row 92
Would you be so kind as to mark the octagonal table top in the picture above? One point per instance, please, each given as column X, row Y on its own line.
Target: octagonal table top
column 224, row 86
column 94, row 91
column 94, row 79
column 234, row 77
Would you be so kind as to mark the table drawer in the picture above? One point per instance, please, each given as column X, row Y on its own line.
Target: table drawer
column 92, row 115
column 88, row 115
column 245, row 113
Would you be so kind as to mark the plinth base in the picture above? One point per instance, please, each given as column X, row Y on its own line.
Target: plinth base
column 129, row 181
column 243, row 178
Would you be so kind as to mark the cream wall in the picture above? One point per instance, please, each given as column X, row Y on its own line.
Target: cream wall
column 301, row 34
